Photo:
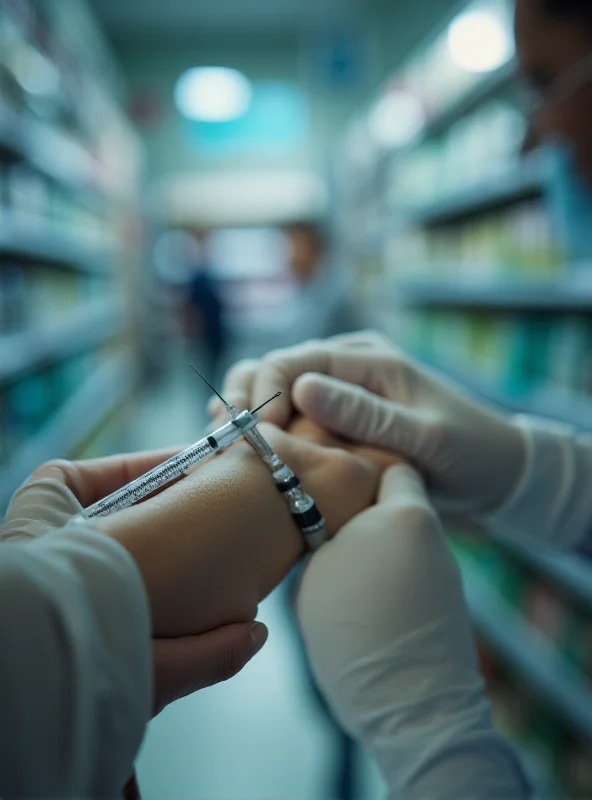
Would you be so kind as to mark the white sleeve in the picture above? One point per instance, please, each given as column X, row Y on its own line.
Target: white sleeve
column 553, row 501
column 75, row 666
column 426, row 720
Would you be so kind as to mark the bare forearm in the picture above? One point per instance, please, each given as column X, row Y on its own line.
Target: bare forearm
column 242, row 542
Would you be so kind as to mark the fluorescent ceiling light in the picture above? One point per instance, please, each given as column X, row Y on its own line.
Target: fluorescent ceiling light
column 213, row 94
column 396, row 120
column 479, row 41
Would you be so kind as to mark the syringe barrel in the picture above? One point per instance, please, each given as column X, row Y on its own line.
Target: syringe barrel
column 232, row 431
column 173, row 468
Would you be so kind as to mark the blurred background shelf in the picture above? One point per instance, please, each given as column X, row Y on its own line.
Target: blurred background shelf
column 524, row 180
column 51, row 153
column 54, row 244
column 83, row 329
column 527, row 651
column 469, row 101
column 73, row 425
column 567, row 571
column 565, row 294
column 556, row 403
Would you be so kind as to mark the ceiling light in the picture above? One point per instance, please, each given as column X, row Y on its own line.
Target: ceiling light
column 396, row 120
column 213, row 94
column 479, row 41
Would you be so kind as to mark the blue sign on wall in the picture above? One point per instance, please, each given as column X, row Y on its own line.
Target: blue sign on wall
column 276, row 123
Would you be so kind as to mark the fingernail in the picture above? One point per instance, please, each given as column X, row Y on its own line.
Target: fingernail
column 259, row 635
column 49, row 471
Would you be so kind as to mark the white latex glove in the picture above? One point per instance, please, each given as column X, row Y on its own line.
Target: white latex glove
column 41, row 505
column 360, row 387
column 389, row 638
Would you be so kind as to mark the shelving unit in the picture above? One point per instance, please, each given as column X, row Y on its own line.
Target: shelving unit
column 24, row 139
column 483, row 91
column 451, row 240
column 68, row 331
column 565, row 294
column 567, row 571
column 53, row 244
column 84, row 329
column 73, row 425
column 527, row 651
column 523, row 181
column 556, row 403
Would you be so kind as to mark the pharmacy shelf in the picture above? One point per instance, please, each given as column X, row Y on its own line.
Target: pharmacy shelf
column 52, row 154
column 554, row 403
column 570, row 572
column 466, row 103
column 483, row 91
column 73, row 425
column 52, row 243
column 529, row 653
column 81, row 330
column 527, row 180
column 567, row 294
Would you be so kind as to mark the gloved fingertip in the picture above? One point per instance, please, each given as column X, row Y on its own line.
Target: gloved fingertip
column 311, row 396
column 49, row 471
column 401, row 479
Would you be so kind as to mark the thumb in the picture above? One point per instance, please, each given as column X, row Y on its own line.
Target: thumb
column 40, row 505
column 184, row 665
column 401, row 484
column 357, row 414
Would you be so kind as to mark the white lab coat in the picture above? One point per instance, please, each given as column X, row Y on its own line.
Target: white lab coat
column 75, row 665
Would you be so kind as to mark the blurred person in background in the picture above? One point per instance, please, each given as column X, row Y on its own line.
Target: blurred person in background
column 554, row 41
column 324, row 305
column 204, row 309
column 554, row 46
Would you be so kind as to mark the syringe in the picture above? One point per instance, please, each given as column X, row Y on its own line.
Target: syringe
column 174, row 467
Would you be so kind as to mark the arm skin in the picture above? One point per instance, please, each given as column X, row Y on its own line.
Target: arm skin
column 224, row 538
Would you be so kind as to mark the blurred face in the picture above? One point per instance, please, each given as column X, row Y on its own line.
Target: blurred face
column 552, row 52
column 303, row 255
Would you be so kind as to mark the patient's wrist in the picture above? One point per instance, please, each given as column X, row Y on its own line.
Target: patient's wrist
column 212, row 546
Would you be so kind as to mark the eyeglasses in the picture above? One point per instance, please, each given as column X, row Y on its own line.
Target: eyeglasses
column 562, row 88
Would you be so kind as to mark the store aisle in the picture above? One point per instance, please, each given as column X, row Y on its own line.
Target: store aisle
column 261, row 734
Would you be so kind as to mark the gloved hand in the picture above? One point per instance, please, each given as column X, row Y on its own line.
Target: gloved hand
column 59, row 490
column 389, row 639
column 361, row 388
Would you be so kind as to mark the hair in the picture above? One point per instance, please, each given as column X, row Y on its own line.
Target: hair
column 313, row 230
column 576, row 9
